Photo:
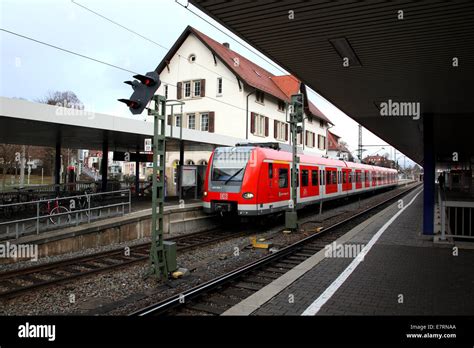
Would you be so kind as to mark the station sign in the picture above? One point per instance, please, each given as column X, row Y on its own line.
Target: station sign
column 133, row 157
column 148, row 145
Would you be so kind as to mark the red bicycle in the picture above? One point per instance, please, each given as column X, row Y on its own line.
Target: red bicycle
column 57, row 212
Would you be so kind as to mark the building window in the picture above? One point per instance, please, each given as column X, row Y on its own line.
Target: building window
column 190, row 162
column 260, row 125
column 187, row 89
column 299, row 139
column 260, row 97
column 321, row 123
column 321, row 142
column 281, row 105
column 205, row 122
column 280, row 130
column 197, row 88
column 192, row 58
column 191, row 121
column 219, row 86
column 282, row 178
column 177, row 120
column 309, row 139
column 166, row 91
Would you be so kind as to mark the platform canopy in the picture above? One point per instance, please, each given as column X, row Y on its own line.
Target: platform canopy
column 400, row 51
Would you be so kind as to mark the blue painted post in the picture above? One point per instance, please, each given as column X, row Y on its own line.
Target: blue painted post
column 429, row 175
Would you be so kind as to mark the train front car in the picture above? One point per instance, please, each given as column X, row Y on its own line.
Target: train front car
column 230, row 179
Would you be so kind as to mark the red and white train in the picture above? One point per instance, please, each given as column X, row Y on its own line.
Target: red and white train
column 254, row 180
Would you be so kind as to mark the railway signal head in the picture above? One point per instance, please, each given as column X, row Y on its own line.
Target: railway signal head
column 297, row 105
column 144, row 88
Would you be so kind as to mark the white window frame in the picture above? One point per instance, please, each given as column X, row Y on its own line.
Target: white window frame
column 321, row 142
column 187, row 84
column 189, row 120
column 309, row 139
column 200, row 122
column 196, row 83
column 281, row 131
column 259, row 125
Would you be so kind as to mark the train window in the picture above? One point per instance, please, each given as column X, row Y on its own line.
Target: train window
column 334, row 177
column 344, row 178
column 328, row 177
column 270, row 170
column 304, row 177
column 314, row 178
column 283, row 178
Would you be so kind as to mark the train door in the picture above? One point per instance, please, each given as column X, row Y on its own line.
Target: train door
column 322, row 181
column 314, row 181
column 346, row 186
column 282, row 175
column 272, row 183
column 367, row 182
column 374, row 178
column 304, row 182
column 358, row 181
column 331, row 180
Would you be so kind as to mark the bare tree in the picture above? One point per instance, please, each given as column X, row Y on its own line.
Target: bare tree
column 7, row 160
column 65, row 99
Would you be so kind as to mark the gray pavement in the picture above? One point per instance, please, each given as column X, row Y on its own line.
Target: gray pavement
column 404, row 273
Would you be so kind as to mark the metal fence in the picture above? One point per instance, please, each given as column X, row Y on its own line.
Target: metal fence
column 34, row 217
column 457, row 217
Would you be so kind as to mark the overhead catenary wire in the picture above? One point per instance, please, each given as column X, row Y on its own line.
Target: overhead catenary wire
column 148, row 39
column 98, row 61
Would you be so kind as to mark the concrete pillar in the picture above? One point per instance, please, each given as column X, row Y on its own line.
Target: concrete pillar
column 105, row 163
column 429, row 175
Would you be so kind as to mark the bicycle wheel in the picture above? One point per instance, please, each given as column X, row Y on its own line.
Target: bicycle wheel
column 54, row 218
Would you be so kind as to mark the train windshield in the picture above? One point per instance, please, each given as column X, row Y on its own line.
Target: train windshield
column 228, row 164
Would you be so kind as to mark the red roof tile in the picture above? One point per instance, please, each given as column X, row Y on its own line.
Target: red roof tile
column 248, row 71
column 281, row 87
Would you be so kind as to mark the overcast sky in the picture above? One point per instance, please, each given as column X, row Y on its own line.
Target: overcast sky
column 29, row 70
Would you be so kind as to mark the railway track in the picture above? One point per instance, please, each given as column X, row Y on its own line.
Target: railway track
column 19, row 281
column 216, row 296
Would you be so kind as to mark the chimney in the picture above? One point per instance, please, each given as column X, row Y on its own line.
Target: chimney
column 226, row 45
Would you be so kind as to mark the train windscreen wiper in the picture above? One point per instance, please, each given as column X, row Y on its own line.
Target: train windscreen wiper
column 233, row 175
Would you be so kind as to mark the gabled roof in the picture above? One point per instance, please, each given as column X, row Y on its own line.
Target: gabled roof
column 247, row 71
column 281, row 87
column 333, row 143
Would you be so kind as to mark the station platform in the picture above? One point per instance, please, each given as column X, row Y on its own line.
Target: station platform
column 402, row 272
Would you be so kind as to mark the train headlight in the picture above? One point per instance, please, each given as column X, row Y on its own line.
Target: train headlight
column 248, row 195
column 204, row 193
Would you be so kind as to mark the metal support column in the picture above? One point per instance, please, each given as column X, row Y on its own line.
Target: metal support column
column 158, row 264
column 105, row 162
column 429, row 175
column 181, row 164
column 137, row 173
column 57, row 165
column 296, row 116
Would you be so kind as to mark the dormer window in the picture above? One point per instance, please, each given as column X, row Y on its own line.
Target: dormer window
column 281, row 105
column 260, row 97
